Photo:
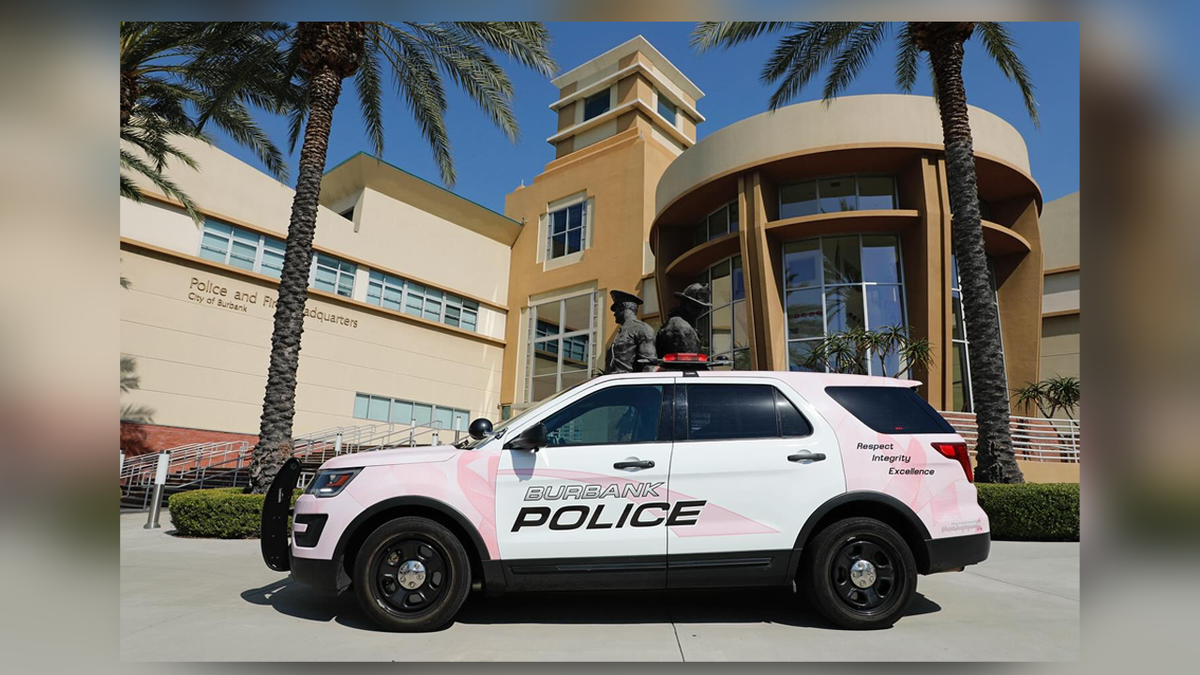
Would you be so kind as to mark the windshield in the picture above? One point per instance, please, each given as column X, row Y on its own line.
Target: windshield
column 499, row 430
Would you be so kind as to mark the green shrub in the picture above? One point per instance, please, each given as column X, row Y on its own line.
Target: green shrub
column 223, row 513
column 1032, row 511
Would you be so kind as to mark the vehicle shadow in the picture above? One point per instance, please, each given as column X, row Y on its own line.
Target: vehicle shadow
column 642, row 607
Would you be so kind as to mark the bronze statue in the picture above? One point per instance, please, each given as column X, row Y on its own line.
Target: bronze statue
column 632, row 348
column 678, row 335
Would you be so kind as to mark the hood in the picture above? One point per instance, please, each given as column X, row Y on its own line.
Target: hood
column 414, row 455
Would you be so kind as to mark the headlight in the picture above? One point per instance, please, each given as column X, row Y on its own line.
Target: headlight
column 331, row 482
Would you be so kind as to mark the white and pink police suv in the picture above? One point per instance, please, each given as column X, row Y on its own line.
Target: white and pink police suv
column 847, row 486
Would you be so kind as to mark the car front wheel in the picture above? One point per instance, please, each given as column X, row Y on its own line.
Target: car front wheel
column 860, row 573
column 412, row 574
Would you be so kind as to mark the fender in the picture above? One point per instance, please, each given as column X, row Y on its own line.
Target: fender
column 424, row 502
column 856, row 497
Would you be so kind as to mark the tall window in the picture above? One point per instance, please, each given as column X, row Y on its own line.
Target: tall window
column 666, row 108
column 332, row 275
column 596, row 104
column 567, row 230
column 412, row 298
column 562, row 337
column 724, row 330
column 241, row 248
column 960, row 365
column 834, row 284
column 722, row 221
column 399, row 411
column 837, row 193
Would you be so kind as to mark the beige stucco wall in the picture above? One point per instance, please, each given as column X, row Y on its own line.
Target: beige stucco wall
column 204, row 366
column 1061, row 304
column 1060, row 231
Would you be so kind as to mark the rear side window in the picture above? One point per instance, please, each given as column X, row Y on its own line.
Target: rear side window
column 791, row 422
column 890, row 410
column 720, row 411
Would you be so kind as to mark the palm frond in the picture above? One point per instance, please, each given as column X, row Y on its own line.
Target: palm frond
column 855, row 53
column 908, row 53
column 799, row 57
column 168, row 187
column 367, row 83
column 709, row 34
column 418, row 82
column 526, row 42
column 1000, row 45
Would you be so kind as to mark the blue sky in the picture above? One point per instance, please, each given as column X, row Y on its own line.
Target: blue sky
column 489, row 166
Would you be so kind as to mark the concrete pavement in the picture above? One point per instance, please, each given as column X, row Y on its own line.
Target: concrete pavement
column 206, row 600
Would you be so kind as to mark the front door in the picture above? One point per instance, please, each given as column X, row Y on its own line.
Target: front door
column 589, row 510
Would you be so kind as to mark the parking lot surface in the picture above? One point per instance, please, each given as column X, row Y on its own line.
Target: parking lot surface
column 205, row 600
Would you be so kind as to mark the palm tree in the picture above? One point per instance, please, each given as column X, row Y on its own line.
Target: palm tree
column 177, row 76
column 417, row 55
column 845, row 47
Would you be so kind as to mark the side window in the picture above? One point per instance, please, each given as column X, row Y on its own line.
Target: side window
column 891, row 410
column 791, row 423
column 624, row 414
column 729, row 411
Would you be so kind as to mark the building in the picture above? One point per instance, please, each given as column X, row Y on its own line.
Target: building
column 428, row 309
column 407, row 309
column 1060, row 300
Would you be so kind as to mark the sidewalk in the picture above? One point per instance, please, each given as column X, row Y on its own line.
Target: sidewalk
column 206, row 600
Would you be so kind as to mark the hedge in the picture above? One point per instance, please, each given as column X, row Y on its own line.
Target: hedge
column 222, row 513
column 1032, row 511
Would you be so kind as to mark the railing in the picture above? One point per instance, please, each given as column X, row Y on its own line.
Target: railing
column 1036, row 439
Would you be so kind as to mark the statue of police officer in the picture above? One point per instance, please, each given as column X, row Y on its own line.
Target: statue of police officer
column 634, row 340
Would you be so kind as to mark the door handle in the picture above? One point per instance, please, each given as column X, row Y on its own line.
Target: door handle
column 635, row 464
column 806, row 456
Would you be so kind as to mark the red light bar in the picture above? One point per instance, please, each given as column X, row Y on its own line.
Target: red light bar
column 689, row 358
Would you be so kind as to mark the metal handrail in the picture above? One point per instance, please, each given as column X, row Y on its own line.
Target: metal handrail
column 1034, row 438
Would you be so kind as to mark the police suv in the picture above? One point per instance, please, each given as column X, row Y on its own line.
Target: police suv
column 844, row 486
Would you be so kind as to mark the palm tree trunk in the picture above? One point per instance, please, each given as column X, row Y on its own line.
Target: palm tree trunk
column 996, row 461
column 275, row 433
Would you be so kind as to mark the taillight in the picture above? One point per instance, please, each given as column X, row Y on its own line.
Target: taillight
column 957, row 451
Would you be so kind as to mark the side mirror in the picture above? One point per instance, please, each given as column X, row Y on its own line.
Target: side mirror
column 531, row 439
column 480, row 428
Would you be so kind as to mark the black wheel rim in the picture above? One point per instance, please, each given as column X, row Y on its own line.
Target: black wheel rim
column 388, row 575
column 873, row 556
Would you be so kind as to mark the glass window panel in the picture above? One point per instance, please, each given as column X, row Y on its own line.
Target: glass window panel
column 722, row 330
column 741, row 326
column 733, row 217
column 377, row 409
column 575, row 353
column 422, row 414
column 272, row 263
column 960, row 384
column 728, row 411
column 213, row 247
column 836, row 194
column 469, row 320
column 739, row 280
column 414, row 302
column 545, row 357
column 543, row 387
column 741, row 359
column 578, row 313
column 881, row 259
column 626, row 414
column 842, row 264
column 442, row 417
column 346, row 285
column 844, row 307
column 558, row 221
column 805, row 315
column 721, row 288
column 361, row 402
column 392, row 297
column 666, row 108
column 575, row 216
column 574, row 241
column 884, row 307
column 596, row 104
column 876, row 192
column 573, row 377
column 558, row 245
column 242, row 255
column 401, row 412
column 791, row 423
column 958, row 330
column 798, row 199
column 718, row 223
column 218, row 227
column 798, row 354
column 802, row 263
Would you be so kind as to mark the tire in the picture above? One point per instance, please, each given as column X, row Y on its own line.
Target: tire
column 439, row 575
column 827, row 577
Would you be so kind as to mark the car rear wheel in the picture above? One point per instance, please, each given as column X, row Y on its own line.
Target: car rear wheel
column 412, row 574
column 860, row 573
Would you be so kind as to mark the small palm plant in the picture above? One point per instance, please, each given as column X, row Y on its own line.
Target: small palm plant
column 177, row 76
column 1050, row 396
column 850, row 351
column 418, row 56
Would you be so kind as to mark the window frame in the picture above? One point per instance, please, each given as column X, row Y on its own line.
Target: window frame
column 666, row 417
column 584, row 213
column 706, row 278
column 606, row 93
column 683, row 420
column 391, row 401
column 378, row 279
column 339, row 272
column 661, row 102
column 730, row 208
column 816, row 180
column 862, row 284
column 278, row 246
column 532, row 339
column 964, row 343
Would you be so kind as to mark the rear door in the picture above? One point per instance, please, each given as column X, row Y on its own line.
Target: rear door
column 758, row 460
column 589, row 510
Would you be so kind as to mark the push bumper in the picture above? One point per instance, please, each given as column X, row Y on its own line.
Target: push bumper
column 950, row 553
column 322, row 575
